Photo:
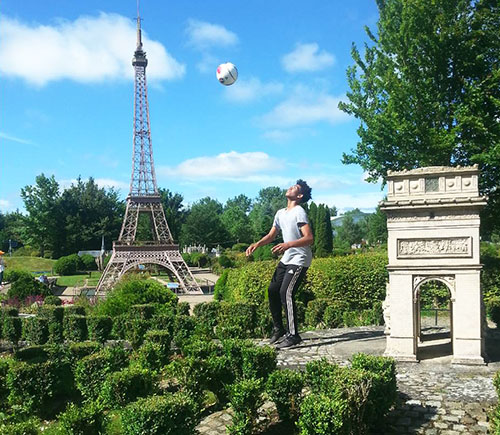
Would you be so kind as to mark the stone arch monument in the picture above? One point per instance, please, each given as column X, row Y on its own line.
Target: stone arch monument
column 433, row 234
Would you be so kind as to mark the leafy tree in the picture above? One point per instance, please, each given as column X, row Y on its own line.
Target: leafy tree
column 204, row 224
column 12, row 227
column 243, row 202
column 426, row 91
column 348, row 233
column 236, row 221
column 174, row 211
column 376, row 227
column 43, row 222
column 89, row 212
column 267, row 203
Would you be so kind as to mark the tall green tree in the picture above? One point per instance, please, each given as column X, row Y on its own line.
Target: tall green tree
column 43, row 222
column 323, row 239
column 426, row 91
column 174, row 211
column 89, row 212
column 348, row 233
column 376, row 228
column 12, row 227
column 235, row 219
column 267, row 203
column 204, row 225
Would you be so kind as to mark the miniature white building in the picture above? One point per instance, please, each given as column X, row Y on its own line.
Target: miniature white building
column 433, row 234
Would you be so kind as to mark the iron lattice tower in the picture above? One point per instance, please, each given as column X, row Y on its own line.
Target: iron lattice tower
column 144, row 198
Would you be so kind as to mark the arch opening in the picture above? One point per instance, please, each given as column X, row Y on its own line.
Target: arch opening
column 434, row 318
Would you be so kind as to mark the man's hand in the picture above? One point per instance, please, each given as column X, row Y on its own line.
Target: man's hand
column 280, row 248
column 250, row 249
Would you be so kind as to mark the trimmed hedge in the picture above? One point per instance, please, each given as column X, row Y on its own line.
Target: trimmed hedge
column 86, row 419
column 12, row 329
column 75, row 327
column 91, row 371
column 126, row 386
column 68, row 265
column 172, row 414
column 4, row 369
column 245, row 397
column 29, row 427
column 99, row 328
column 32, row 387
column 357, row 279
column 284, row 388
column 133, row 290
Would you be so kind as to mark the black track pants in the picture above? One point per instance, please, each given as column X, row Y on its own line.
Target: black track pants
column 281, row 292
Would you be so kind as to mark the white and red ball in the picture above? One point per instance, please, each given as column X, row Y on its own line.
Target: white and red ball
column 227, row 73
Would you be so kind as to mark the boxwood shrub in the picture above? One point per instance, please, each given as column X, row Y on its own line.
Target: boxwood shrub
column 74, row 310
column 4, row 391
column 127, row 385
column 99, row 365
column 321, row 414
column 142, row 311
column 172, row 414
column 151, row 355
column 99, row 328
column 54, row 315
column 207, row 312
column 67, row 265
column 75, row 327
column 183, row 309
column 36, row 330
column 245, row 397
column 284, row 388
column 32, row 387
column 383, row 391
column 28, row 427
column 357, row 280
column 236, row 320
column 79, row 350
column 12, row 329
column 258, row 361
column 86, row 419
column 134, row 290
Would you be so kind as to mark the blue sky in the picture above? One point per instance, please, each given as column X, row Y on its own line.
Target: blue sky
column 66, row 95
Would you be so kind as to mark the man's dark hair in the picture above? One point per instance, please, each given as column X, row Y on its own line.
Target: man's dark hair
column 305, row 190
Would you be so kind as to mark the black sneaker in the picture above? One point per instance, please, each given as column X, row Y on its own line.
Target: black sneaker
column 289, row 341
column 277, row 334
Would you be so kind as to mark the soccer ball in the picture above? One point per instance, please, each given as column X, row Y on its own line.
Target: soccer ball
column 227, row 73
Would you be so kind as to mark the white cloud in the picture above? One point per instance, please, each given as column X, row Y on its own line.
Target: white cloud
column 307, row 57
column 231, row 165
column 249, row 90
column 203, row 35
column 89, row 49
column 15, row 139
column 304, row 108
column 5, row 205
column 277, row 135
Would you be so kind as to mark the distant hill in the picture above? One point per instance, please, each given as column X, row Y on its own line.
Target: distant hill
column 357, row 215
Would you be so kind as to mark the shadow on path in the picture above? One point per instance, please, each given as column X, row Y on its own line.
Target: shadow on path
column 348, row 336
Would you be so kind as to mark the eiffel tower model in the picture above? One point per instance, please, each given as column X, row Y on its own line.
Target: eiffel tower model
column 144, row 198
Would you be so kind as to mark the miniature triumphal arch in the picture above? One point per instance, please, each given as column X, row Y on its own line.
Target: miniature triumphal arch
column 433, row 234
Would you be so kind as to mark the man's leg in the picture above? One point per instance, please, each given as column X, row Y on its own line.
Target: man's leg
column 273, row 293
column 293, row 277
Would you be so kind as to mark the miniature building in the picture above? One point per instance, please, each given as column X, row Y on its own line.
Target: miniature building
column 433, row 234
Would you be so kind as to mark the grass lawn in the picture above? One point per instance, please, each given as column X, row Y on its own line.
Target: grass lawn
column 79, row 280
column 30, row 264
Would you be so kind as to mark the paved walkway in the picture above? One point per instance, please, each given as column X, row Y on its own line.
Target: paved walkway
column 435, row 397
